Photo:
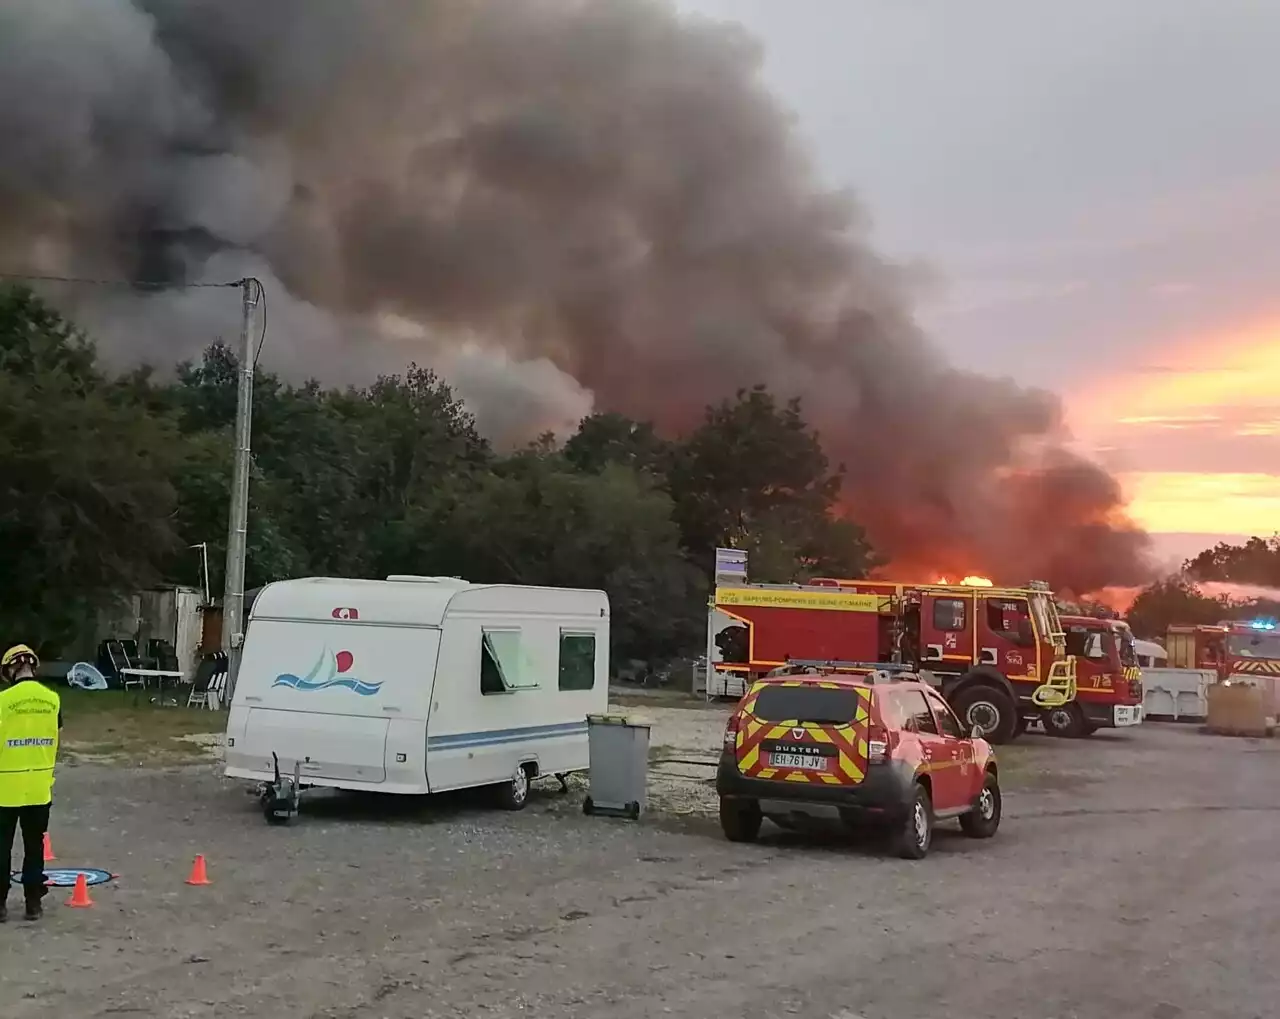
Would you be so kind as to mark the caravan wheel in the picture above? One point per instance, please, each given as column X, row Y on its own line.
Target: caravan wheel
column 515, row 794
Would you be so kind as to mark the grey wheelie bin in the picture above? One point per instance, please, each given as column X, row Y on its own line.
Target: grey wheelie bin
column 619, row 774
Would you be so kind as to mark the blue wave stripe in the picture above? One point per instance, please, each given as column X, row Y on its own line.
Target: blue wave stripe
column 455, row 741
column 347, row 682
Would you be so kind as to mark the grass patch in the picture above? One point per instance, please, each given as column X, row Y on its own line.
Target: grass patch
column 109, row 726
column 1032, row 765
column 1016, row 764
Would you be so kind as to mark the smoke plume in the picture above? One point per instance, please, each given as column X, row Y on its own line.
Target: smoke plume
column 560, row 204
column 1239, row 592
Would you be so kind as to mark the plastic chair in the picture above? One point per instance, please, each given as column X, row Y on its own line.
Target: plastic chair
column 163, row 653
column 210, row 677
column 118, row 654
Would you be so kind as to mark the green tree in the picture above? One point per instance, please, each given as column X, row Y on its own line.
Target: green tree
column 206, row 392
column 1256, row 561
column 334, row 472
column 204, row 399
column 533, row 519
column 754, row 476
column 610, row 438
column 203, row 487
column 1169, row 601
column 413, row 443
column 87, row 499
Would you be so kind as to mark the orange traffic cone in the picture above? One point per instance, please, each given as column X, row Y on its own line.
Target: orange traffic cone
column 80, row 894
column 48, row 849
column 199, row 876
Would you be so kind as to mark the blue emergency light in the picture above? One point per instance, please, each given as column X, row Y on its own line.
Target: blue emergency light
column 1263, row 624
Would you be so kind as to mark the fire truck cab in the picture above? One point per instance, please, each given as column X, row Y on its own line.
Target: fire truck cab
column 990, row 651
column 1108, row 680
column 1229, row 649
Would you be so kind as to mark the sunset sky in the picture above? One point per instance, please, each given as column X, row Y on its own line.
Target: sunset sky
column 1092, row 192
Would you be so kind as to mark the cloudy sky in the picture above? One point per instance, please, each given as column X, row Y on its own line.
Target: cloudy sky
column 1095, row 190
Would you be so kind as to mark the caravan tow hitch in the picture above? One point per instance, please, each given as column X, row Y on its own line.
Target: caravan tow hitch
column 279, row 800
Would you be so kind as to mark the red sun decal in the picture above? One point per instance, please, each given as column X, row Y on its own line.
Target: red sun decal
column 345, row 659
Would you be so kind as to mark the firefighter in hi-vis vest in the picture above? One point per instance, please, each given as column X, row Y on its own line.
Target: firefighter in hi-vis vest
column 30, row 716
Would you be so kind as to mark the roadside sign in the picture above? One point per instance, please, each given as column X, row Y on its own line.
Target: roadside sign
column 731, row 565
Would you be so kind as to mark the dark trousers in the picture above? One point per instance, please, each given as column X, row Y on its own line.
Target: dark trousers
column 34, row 822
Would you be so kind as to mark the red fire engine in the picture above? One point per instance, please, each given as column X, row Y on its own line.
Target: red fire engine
column 1108, row 681
column 997, row 654
column 1230, row 648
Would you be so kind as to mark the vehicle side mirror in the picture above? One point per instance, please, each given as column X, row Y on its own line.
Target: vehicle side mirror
column 975, row 732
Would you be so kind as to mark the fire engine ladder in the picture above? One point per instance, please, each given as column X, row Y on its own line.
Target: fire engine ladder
column 1059, row 687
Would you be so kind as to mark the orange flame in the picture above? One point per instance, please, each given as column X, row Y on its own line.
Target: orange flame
column 974, row 581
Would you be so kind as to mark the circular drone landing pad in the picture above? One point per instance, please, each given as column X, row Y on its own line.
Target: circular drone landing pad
column 65, row 877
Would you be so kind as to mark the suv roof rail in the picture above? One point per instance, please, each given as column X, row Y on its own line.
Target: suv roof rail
column 878, row 672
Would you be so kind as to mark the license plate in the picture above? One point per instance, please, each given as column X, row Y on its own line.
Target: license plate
column 1126, row 715
column 802, row 761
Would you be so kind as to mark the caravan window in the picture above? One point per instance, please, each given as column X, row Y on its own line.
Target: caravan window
column 502, row 667
column 577, row 661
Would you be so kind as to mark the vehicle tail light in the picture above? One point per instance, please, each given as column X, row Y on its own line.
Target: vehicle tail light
column 731, row 731
column 879, row 745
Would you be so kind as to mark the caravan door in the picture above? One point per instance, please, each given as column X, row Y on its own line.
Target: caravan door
column 348, row 701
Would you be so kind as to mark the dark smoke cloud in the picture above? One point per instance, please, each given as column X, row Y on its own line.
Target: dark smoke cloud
column 559, row 203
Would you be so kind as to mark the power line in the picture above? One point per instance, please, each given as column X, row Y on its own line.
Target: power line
column 27, row 277
column 135, row 284
column 262, row 299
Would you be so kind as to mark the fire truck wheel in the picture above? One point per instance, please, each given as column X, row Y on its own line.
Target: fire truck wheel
column 990, row 709
column 1066, row 722
column 740, row 820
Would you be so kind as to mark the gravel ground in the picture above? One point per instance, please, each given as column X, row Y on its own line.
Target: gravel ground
column 678, row 736
column 1134, row 876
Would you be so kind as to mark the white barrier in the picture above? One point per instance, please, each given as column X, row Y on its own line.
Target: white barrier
column 1180, row 694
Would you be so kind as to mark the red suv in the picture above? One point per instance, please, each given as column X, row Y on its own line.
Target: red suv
column 876, row 747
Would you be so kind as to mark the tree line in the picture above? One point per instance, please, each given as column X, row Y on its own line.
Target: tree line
column 1249, row 571
column 108, row 480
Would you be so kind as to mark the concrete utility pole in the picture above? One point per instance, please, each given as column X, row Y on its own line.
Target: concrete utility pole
column 238, row 517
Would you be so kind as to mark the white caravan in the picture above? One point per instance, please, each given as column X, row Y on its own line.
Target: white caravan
column 418, row 684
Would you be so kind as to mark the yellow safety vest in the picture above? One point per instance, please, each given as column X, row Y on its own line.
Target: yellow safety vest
column 28, row 743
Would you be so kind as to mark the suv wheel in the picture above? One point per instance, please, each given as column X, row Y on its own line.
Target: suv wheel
column 740, row 819
column 914, row 835
column 990, row 709
column 984, row 820
column 1066, row 722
